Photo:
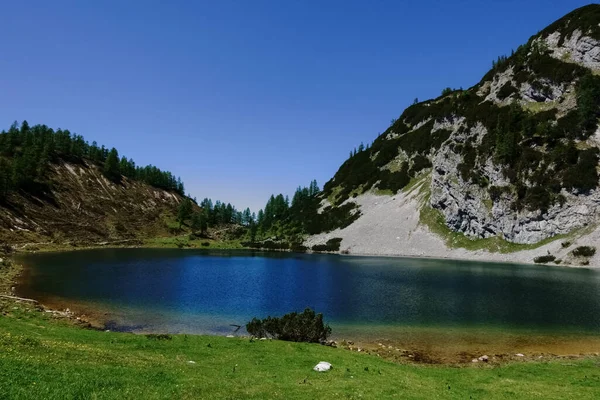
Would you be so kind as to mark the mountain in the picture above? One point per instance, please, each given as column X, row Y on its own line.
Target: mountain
column 510, row 163
column 55, row 187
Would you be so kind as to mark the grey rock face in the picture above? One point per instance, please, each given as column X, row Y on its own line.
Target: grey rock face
column 576, row 48
column 467, row 208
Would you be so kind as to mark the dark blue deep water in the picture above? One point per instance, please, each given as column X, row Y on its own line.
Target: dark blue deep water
column 205, row 291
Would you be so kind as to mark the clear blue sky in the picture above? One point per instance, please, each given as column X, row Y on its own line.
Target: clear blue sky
column 247, row 98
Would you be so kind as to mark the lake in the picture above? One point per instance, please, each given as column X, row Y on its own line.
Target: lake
column 187, row 291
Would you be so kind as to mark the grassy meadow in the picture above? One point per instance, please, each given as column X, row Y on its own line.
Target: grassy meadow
column 42, row 357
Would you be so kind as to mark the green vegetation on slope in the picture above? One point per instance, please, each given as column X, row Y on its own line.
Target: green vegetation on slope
column 43, row 358
column 27, row 151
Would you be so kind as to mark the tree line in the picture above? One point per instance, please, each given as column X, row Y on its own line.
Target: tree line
column 281, row 218
column 26, row 152
column 211, row 215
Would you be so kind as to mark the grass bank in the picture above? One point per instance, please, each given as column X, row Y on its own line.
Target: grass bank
column 44, row 357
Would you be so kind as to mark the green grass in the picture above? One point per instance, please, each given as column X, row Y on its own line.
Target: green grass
column 536, row 107
column 436, row 223
column 383, row 192
column 421, row 182
column 40, row 358
column 488, row 203
column 332, row 198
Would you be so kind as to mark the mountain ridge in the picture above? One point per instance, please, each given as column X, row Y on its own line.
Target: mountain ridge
column 514, row 157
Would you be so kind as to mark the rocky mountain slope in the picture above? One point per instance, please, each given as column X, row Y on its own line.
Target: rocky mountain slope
column 513, row 159
column 83, row 206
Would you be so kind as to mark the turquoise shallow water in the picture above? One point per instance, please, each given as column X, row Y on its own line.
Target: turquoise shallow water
column 206, row 291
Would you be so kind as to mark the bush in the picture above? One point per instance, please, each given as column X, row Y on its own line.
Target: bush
column 205, row 244
column 331, row 245
column 584, row 251
column 544, row 259
column 298, row 248
column 161, row 336
column 304, row 327
column 506, row 90
column 267, row 244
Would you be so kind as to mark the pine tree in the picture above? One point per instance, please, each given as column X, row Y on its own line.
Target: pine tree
column 184, row 211
column 5, row 179
column 196, row 224
column 111, row 165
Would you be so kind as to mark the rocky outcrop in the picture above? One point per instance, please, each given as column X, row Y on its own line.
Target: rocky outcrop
column 513, row 156
column 468, row 208
column 577, row 48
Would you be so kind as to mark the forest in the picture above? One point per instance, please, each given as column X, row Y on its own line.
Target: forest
column 26, row 153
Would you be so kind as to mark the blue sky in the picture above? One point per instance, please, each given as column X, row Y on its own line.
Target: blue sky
column 246, row 98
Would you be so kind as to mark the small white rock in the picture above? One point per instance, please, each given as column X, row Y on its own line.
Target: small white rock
column 230, row 336
column 322, row 366
column 191, row 362
column 474, row 360
column 483, row 358
column 519, row 355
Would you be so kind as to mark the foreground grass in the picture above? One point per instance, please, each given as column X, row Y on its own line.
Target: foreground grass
column 43, row 358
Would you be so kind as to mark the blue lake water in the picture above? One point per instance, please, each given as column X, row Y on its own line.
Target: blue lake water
column 206, row 291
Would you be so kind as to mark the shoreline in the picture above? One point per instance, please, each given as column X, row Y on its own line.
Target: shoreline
column 445, row 345
column 65, row 248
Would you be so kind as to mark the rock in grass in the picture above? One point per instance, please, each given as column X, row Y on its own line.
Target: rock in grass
column 322, row 366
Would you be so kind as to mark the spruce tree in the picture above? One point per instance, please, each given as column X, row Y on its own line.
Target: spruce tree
column 196, row 224
column 184, row 211
column 111, row 165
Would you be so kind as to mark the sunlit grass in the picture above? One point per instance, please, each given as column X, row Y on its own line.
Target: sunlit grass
column 41, row 358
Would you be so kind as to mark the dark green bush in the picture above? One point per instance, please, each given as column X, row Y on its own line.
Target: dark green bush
column 298, row 248
column 584, row 251
column 394, row 181
column 583, row 176
column 333, row 218
column 420, row 162
column 544, row 259
column 506, row 91
column 267, row 244
column 160, row 336
column 330, row 245
column 294, row 327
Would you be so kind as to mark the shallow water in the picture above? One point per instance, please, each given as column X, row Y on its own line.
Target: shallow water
column 179, row 291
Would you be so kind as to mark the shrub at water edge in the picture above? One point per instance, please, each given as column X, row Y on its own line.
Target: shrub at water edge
column 294, row 327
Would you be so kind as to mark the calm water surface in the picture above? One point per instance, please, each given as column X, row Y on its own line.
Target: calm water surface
column 196, row 291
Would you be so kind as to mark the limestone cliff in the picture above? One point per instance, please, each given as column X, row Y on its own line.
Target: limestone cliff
column 515, row 157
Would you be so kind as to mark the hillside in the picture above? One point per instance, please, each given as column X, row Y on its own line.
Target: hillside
column 505, row 165
column 85, row 207
column 55, row 187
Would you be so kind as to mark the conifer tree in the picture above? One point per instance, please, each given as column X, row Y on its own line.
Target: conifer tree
column 111, row 165
column 184, row 211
